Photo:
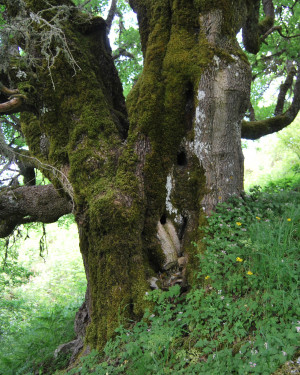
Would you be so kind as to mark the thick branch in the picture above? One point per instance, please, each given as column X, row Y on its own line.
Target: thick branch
column 122, row 52
column 269, row 8
column 252, row 112
column 283, row 91
column 270, row 31
column 28, row 204
column 12, row 106
column 257, row 129
column 14, row 101
column 253, row 29
column 7, row 91
column 268, row 22
column 111, row 15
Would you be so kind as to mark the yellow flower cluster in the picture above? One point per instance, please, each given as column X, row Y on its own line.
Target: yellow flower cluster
column 258, row 218
column 249, row 273
column 238, row 259
column 289, row 219
column 238, row 223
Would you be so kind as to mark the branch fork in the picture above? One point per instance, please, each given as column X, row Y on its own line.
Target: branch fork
column 15, row 100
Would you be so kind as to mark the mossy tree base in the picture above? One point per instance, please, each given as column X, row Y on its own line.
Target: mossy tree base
column 179, row 157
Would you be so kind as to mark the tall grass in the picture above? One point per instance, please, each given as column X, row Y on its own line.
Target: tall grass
column 37, row 310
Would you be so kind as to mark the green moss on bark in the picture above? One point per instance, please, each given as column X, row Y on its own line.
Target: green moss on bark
column 85, row 120
column 176, row 55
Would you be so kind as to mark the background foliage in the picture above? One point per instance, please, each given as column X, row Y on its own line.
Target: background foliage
column 270, row 65
column 39, row 297
column 274, row 157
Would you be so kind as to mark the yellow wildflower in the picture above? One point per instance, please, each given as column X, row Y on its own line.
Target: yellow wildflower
column 238, row 223
column 258, row 218
column 249, row 273
column 238, row 259
column 289, row 219
column 206, row 277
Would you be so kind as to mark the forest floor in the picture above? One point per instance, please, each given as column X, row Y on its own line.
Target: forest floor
column 240, row 317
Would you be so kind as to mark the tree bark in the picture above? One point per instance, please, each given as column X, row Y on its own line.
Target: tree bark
column 29, row 204
column 284, row 87
column 141, row 192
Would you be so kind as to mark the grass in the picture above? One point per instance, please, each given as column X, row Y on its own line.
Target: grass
column 39, row 299
column 240, row 318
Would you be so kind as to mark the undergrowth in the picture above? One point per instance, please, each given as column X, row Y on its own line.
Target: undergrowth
column 242, row 315
column 38, row 299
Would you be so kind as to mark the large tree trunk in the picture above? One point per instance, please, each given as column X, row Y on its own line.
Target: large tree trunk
column 182, row 156
column 139, row 194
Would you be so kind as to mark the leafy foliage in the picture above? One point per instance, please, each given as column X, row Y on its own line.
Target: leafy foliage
column 127, row 46
column 240, row 318
column 274, row 162
column 38, row 301
column 92, row 6
column 289, row 139
column 270, row 64
column 129, row 68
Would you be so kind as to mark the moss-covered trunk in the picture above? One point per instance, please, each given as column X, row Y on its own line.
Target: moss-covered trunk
column 188, row 103
column 139, row 194
column 78, row 130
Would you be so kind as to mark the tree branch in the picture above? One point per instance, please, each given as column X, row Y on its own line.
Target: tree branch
column 15, row 123
column 14, row 102
column 30, row 204
column 279, row 29
column 7, row 91
column 256, row 129
column 252, row 112
column 253, row 29
column 269, row 8
column 111, row 14
column 270, row 31
column 284, row 89
column 81, row 6
column 122, row 52
column 265, row 59
column 12, row 106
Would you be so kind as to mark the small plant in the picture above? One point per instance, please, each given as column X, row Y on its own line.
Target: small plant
column 240, row 318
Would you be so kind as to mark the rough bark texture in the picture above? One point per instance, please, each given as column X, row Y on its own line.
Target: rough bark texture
column 140, row 193
column 253, row 30
column 284, row 87
column 30, row 203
